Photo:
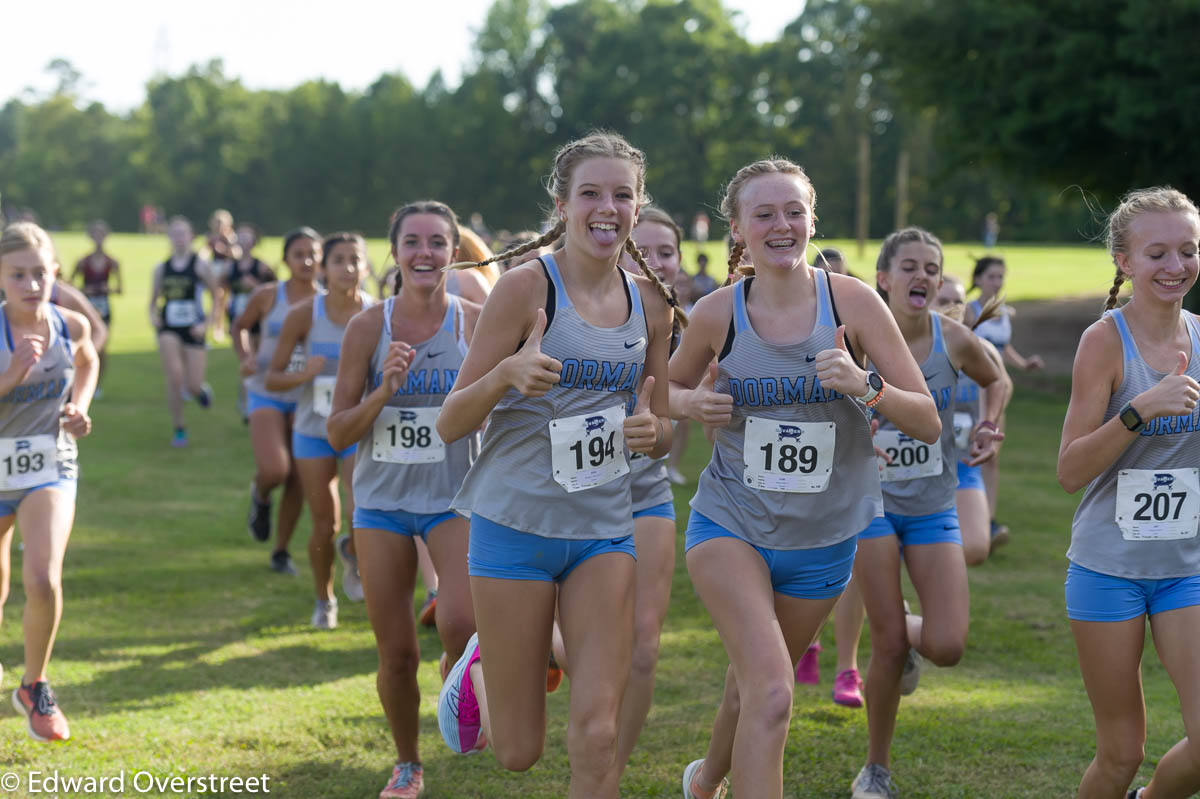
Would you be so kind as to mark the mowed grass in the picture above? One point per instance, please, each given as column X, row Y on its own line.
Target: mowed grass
column 180, row 653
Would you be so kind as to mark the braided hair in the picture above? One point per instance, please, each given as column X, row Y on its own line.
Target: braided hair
column 1140, row 201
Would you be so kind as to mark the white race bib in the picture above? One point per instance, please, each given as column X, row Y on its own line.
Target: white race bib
column 323, row 395
column 796, row 457
column 28, row 462
column 296, row 361
column 588, row 450
column 100, row 303
column 1158, row 504
column 910, row 458
column 181, row 313
column 963, row 424
column 407, row 435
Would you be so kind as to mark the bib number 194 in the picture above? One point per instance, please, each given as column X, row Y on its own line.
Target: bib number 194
column 588, row 450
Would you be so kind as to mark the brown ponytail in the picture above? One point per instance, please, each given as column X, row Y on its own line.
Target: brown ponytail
column 991, row 309
column 549, row 237
column 1111, row 302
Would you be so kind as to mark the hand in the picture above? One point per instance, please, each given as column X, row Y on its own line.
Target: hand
column 707, row 406
column 314, row 365
column 248, row 366
column 25, row 356
column 838, row 371
column 879, row 453
column 1034, row 363
column 198, row 331
column 1175, row 394
column 642, row 427
column 395, row 366
column 985, row 441
column 530, row 371
column 75, row 421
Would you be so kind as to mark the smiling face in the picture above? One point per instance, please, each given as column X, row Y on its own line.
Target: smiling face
column 1162, row 260
column 601, row 206
column 345, row 266
column 28, row 277
column 913, row 277
column 774, row 221
column 302, row 257
column 659, row 248
column 424, row 244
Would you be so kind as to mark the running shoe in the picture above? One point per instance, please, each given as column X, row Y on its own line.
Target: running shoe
column 351, row 581
column 692, row 792
column 205, row 397
column 847, row 689
column 675, row 477
column 1135, row 793
column 407, row 782
column 428, row 615
column 554, row 675
column 258, row 521
column 325, row 614
column 912, row 672
column 458, row 709
column 808, row 669
column 281, row 561
column 874, row 782
column 37, row 703
column 1000, row 535
column 180, row 438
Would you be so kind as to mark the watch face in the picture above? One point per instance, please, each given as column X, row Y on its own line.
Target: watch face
column 874, row 381
column 1130, row 418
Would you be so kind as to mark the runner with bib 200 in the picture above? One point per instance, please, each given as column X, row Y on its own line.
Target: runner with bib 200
column 319, row 323
column 919, row 482
column 1132, row 437
column 772, row 536
column 399, row 360
column 558, row 360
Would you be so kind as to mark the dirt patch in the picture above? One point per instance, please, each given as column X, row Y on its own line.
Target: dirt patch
column 1052, row 328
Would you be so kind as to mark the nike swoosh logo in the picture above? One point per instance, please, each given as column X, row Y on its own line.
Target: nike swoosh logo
column 809, row 358
column 949, row 527
column 433, row 355
column 833, row 584
column 928, row 377
column 637, row 343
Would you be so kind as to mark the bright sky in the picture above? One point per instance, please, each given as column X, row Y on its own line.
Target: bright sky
column 119, row 44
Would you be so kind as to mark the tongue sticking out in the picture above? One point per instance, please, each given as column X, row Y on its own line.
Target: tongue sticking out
column 605, row 237
column 918, row 300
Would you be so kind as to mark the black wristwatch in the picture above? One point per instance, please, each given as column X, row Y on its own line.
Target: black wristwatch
column 1131, row 419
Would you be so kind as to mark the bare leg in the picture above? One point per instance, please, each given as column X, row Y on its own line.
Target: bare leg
column 1178, row 772
column 848, row 617
column 975, row 521
column 170, row 352
column 455, row 615
column 319, row 477
column 195, row 361
column 45, row 518
column 429, row 574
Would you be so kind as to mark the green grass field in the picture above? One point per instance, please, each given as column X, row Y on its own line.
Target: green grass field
column 180, row 653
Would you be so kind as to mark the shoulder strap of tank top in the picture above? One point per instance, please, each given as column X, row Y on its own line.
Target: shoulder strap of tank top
column 191, row 265
column 452, row 283
column 976, row 306
column 388, row 305
column 63, row 331
column 635, row 296
column 318, row 307
column 939, row 343
column 824, row 299
column 1128, row 345
column 7, row 329
column 281, row 294
column 452, row 310
column 560, row 290
column 741, row 294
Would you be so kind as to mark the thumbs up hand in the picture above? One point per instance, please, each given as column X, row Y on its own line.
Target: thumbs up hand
column 531, row 371
column 1175, row 395
column 708, row 406
column 837, row 370
column 643, row 430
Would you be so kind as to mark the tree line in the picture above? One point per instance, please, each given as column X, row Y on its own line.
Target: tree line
column 934, row 112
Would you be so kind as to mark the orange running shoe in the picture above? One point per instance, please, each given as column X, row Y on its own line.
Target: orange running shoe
column 554, row 675
column 428, row 617
column 45, row 721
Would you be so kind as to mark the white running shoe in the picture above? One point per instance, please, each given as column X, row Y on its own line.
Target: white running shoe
column 911, row 675
column 351, row 581
column 325, row 614
column 689, row 774
column 874, row 782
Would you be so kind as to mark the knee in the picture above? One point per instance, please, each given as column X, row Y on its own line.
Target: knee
column 975, row 555
column 645, row 647
column 43, row 587
column 890, row 645
column 593, row 740
column 942, row 650
column 518, row 755
column 454, row 629
column 271, row 474
column 769, row 702
column 1123, row 758
column 399, row 661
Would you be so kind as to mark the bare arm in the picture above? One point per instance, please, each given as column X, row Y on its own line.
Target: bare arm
column 256, row 310
column 648, row 430
column 970, row 352
column 353, row 414
column 693, row 371
column 116, row 272
column 87, row 362
column 155, row 293
column 1089, row 444
column 296, row 327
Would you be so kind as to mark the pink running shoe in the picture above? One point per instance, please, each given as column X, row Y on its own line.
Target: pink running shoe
column 458, row 709
column 808, row 670
column 847, row 689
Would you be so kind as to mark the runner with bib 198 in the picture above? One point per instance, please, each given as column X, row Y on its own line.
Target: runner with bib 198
column 771, row 539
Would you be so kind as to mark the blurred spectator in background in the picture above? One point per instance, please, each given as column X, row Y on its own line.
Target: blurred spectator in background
column 700, row 227
column 991, row 229
column 703, row 283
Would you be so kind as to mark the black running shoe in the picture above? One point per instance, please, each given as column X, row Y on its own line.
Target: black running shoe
column 205, row 397
column 258, row 521
column 281, row 562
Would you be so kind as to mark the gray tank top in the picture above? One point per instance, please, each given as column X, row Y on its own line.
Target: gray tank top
column 514, row 480
column 324, row 339
column 998, row 329
column 932, row 494
column 409, row 470
column 1123, row 526
column 31, row 434
column 967, row 413
column 267, row 343
column 788, row 433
